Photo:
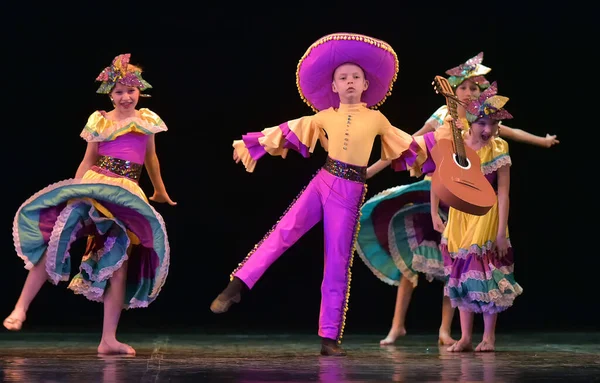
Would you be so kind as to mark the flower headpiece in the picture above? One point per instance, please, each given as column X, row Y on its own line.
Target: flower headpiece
column 119, row 72
column 489, row 104
column 472, row 70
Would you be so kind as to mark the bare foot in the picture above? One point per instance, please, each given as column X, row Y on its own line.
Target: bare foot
column 15, row 320
column 486, row 346
column 114, row 347
column 445, row 339
column 392, row 336
column 461, row 346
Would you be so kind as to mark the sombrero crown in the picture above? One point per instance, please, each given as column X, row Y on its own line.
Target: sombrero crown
column 315, row 69
column 489, row 104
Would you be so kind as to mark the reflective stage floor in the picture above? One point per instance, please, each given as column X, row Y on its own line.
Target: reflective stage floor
column 191, row 357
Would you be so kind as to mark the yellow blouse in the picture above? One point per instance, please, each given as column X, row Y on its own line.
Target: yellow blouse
column 99, row 128
column 347, row 133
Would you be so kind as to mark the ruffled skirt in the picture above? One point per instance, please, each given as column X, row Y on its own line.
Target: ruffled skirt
column 397, row 238
column 478, row 279
column 120, row 225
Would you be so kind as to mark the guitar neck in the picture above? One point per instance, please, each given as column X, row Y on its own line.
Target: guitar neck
column 456, row 132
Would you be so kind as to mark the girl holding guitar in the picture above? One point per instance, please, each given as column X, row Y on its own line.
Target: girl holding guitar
column 478, row 257
column 397, row 240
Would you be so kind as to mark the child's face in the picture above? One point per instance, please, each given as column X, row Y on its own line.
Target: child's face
column 467, row 91
column 124, row 97
column 484, row 128
column 349, row 82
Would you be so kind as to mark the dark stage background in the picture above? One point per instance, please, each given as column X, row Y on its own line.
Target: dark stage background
column 223, row 71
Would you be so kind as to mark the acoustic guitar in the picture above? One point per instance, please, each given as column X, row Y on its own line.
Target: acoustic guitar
column 458, row 180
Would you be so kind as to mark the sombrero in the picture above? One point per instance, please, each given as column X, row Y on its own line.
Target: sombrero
column 315, row 69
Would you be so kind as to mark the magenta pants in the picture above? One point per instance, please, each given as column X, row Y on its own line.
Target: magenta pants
column 334, row 195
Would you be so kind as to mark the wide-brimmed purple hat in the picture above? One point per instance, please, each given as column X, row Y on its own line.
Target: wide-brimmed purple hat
column 315, row 69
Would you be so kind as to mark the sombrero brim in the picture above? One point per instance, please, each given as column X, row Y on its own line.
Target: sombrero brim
column 315, row 69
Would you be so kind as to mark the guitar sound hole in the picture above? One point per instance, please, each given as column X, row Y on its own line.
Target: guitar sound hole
column 461, row 161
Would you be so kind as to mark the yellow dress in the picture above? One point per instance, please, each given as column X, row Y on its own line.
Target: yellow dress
column 477, row 279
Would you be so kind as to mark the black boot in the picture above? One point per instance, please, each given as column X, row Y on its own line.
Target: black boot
column 232, row 294
column 330, row 347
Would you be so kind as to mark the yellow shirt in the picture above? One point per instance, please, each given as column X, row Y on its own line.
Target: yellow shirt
column 347, row 133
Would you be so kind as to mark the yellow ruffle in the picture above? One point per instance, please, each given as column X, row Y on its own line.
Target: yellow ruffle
column 244, row 155
column 468, row 230
column 93, row 177
column 394, row 142
column 494, row 155
column 305, row 129
column 272, row 141
column 99, row 128
column 308, row 132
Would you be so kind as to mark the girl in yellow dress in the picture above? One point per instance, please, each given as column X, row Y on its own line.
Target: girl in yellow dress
column 478, row 256
column 396, row 239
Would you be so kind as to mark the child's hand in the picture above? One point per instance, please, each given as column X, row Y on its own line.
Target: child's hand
column 501, row 245
column 162, row 198
column 236, row 158
column 550, row 140
column 438, row 224
column 459, row 124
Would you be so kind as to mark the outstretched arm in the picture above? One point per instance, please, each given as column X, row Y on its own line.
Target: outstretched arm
column 153, row 167
column 528, row 138
column 430, row 126
column 89, row 159
column 300, row 135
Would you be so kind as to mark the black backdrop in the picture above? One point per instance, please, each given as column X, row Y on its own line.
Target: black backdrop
column 225, row 70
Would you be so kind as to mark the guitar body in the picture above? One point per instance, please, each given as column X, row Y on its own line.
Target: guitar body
column 464, row 188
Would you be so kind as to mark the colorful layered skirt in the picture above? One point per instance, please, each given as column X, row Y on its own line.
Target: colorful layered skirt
column 113, row 214
column 397, row 239
column 478, row 279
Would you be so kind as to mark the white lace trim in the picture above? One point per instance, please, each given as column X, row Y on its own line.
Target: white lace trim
column 496, row 164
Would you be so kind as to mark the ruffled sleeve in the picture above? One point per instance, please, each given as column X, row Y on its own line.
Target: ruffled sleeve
column 300, row 135
column 400, row 147
column 494, row 156
column 439, row 116
column 99, row 128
